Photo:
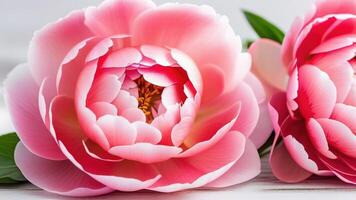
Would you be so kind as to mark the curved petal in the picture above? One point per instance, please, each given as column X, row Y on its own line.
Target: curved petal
column 60, row 177
column 44, row 60
column 345, row 114
column 187, row 28
column 313, row 86
column 245, row 169
column 22, row 103
column 202, row 168
column 124, row 175
column 264, row 127
column 145, row 152
column 285, row 168
column 267, row 63
column 114, row 17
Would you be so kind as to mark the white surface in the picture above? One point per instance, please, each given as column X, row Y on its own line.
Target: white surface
column 264, row 187
column 19, row 18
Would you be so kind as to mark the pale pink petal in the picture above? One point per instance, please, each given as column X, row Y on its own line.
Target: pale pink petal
column 267, row 63
column 103, row 108
column 257, row 87
column 160, row 55
column 339, row 136
column 118, row 130
column 122, row 58
column 145, row 152
column 95, row 151
column 164, row 76
column 188, row 28
column 60, row 177
column 44, row 60
column 245, row 169
column 105, row 89
column 318, row 138
column 124, row 175
column 166, row 122
column 147, row 133
column 181, row 130
column 315, row 85
column 285, row 168
column 172, row 95
column 243, row 67
column 21, row 95
column 264, row 127
column 125, row 101
column 351, row 97
column 114, row 17
column 345, row 114
column 202, row 168
column 335, row 43
column 133, row 115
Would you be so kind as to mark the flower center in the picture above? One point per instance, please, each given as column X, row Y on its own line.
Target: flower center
column 148, row 94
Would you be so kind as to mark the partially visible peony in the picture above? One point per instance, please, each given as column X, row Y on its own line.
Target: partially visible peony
column 316, row 115
column 129, row 96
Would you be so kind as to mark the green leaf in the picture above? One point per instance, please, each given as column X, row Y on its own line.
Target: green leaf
column 9, row 172
column 264, row 28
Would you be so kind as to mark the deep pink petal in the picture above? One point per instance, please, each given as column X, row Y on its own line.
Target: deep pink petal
column 21, row 95
column 285, row 168
column 60, row 177
column 315, row 85
column 164, row 76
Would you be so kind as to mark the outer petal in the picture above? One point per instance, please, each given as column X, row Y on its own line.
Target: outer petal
column 21, row 95
column 60, row 177
column 50, row 45
column 202, row 168
column 246, row 168
column 115, row 16
column 267, row 63
column 285, row 168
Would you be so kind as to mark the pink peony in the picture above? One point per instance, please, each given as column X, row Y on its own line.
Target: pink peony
column 316, row 115
column 129, row 96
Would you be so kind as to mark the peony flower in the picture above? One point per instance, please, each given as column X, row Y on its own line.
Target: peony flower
column 129, row 96
column 315, row 116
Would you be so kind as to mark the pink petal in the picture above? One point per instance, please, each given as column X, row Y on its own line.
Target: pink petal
column 164, row 76
column 187, row 28
column 147, row 133
column 103, row 108
column 44, row 60
column 285, row 168
column 118, row 130
column 181, row 130
column 339, row 136
column 278, row 110
column 245, row 169
column 315, row 85
column 172, row 95
column 267, row 63
column 264, row 127
column 105, row 89
column 346, row 115
column 165, row 124
column 335, row 43
column 122, row 58
column 257, row 87
column 160, row 55
column 60, row 177
column 125, row 101
column 123, row 176
column 351, row 97
column 212, row 90
column 95, row 151
column 115, row 16
column 145, row 152
column 200, row 169
column 133, row 115
column 21, row 95
column 318, row 138
column 335, row 7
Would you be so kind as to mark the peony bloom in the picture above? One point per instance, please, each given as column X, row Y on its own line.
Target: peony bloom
column 129, row 96
column 315, row 116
